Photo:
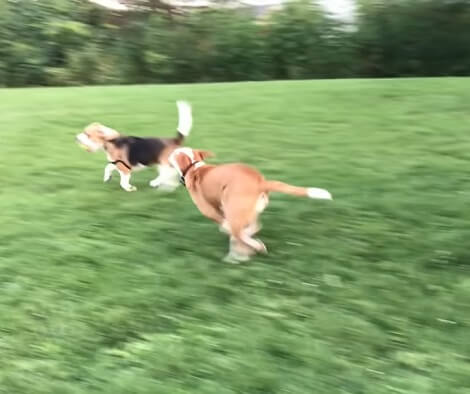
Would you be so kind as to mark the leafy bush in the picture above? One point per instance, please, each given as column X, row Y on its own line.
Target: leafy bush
column 68, row 42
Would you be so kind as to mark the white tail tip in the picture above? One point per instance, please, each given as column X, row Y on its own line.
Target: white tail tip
column 322, row 194
column 185, row 118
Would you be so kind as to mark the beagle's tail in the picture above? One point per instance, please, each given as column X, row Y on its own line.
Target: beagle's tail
column 185, row 120
column 311, row 192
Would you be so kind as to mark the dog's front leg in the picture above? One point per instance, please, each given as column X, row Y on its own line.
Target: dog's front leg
column 210, row 212
column 125, row 178
column 108, row 172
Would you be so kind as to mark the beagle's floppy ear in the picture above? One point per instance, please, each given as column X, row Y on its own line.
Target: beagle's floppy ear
column 107, row 132
column 202, row 154
column 97, row 131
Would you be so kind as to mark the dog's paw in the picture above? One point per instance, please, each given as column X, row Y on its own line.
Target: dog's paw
column 130, row 188
column 154, row 183
column 261, row 248
column 107, row 178
column 234, row 258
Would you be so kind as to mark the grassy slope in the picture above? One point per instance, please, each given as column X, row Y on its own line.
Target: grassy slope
column 103, row 291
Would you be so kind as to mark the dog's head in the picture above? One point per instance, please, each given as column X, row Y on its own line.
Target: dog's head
column 182, row 159
column 94, row 136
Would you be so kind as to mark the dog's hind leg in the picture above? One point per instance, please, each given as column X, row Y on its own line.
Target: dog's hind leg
column 256, row 244
column 243, row 225
column 167, row 177
column 238, row 252
column 253, row 228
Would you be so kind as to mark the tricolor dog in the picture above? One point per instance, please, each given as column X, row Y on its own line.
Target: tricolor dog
column 126, row 154
column 233, row 196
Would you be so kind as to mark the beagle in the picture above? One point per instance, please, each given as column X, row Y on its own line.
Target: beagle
column 126, row 154
column 233, row 196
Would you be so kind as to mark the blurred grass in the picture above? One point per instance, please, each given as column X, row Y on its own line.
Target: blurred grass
column 103, row 291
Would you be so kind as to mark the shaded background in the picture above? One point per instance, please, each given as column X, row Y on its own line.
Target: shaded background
column 72, row 42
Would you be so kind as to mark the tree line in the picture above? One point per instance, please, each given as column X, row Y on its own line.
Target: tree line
column 74, row 42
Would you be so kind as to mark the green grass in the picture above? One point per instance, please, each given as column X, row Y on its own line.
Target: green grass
column 103, row 291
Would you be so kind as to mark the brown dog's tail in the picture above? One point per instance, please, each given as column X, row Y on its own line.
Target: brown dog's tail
column 185, row 121
column 311, row 192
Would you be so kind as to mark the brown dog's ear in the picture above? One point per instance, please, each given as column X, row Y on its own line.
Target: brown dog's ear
column 183, row 162
column 202, row 154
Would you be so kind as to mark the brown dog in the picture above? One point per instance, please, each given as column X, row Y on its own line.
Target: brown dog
column 126, row 154
column 232, row 195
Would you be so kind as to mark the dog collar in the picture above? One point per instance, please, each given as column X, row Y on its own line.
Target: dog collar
column 195, row 164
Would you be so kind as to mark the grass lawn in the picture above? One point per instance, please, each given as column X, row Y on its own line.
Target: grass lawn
column 103, row 291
